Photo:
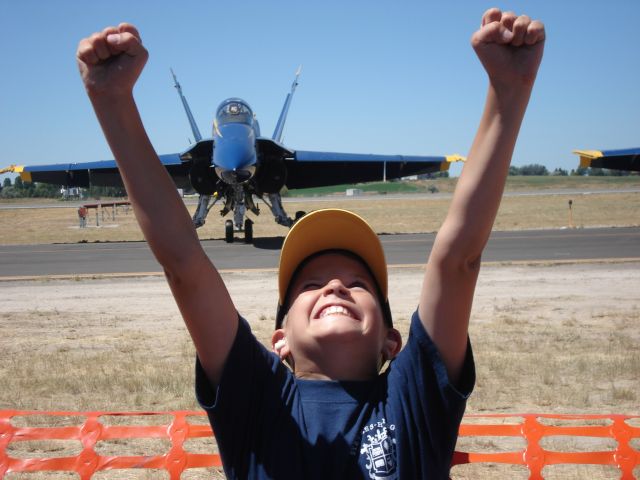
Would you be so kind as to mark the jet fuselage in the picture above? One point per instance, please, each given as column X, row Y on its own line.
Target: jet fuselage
column 235, row 131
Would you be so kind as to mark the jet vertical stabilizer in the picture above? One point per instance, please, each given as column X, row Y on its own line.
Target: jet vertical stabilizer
column 194, row 128
column 277, row 134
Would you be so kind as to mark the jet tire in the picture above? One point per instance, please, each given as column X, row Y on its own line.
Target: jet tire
column 248, row 231
column 228, row 231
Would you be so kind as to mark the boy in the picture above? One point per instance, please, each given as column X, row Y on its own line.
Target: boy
column 333, row 415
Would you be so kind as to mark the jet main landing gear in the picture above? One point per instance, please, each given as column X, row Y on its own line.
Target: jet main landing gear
column 248, row 231
column 228, row 231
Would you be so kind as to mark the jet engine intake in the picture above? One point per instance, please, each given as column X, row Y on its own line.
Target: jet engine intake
column 271, row 175
column 202, row 176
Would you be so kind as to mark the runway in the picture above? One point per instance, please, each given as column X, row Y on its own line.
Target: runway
column 135, row 258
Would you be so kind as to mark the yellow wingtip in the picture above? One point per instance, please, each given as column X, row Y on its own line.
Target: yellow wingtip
column 449, row 159
column 12, row 169
column 586, row 156
column 455, row 158
column 589, row 153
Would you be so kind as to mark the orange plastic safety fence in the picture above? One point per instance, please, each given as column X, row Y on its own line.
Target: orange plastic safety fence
column 532, row 427
column 536, row 427
column 92, row 431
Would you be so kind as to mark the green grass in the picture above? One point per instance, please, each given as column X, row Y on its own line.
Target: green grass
column 444, row 185
column 542, row 182
column 514, row 183
column 376, row 187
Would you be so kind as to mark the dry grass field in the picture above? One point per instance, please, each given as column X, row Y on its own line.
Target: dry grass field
column 408, row 214
column 543, row 343
column 547, row 338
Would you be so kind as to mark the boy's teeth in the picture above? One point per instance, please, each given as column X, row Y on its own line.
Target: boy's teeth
column 335, row 309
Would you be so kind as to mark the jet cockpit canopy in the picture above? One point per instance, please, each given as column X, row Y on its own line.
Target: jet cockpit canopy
column 234, row 110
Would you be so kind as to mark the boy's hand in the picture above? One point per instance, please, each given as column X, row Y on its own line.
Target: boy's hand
column 110, row 61
column 509, row 47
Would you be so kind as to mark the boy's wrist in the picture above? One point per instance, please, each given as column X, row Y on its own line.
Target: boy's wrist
column 106, row 98
column 115, row 105
column 512, row 90
column 509, row 100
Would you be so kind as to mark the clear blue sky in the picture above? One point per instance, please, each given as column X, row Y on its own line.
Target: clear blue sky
column 378, row 77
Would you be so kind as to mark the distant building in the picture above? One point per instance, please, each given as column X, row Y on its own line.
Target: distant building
column 72, row 192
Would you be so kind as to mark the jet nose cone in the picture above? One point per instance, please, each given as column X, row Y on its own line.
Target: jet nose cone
column 236, row 176
column 234, row 154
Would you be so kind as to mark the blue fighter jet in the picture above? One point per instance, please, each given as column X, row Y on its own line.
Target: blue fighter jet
column 622, row 159
column 237, row 166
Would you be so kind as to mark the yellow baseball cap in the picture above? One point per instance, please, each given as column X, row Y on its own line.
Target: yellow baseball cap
column 331, row 229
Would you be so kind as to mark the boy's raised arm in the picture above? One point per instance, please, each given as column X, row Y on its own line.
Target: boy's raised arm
column 110, row 63
column 510, row 49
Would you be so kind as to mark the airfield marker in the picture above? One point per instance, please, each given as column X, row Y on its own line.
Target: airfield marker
column 570, row 214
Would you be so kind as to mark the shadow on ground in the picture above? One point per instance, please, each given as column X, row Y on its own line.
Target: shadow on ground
column 268, row 243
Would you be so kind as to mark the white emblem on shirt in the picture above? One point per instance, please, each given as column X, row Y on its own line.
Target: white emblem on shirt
column 380, row 450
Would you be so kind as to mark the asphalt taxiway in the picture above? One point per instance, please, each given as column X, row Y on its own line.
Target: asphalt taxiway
column 135, row 258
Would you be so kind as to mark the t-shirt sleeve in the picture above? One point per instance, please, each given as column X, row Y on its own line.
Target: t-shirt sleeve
column 250, row 366
column 423, row 399
column 420, row 361
column 253, row 392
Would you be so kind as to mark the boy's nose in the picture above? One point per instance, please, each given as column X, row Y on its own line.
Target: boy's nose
column 336, row 287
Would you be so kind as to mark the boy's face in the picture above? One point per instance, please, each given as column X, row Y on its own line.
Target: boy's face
column 335, row 312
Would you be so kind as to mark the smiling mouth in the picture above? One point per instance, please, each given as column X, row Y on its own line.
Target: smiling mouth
column 335, row 310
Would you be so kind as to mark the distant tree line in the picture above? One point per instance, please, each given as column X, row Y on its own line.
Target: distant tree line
column 600, row 172
column 21, row 189
column 98, row 192
column 541, row 170
column 424, row 176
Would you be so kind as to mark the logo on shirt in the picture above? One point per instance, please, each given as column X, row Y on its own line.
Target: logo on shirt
column 380, row 450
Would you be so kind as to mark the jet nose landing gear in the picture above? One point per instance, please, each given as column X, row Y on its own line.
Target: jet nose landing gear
column 229, row 231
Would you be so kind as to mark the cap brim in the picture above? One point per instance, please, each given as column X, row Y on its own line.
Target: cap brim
column 331, row 229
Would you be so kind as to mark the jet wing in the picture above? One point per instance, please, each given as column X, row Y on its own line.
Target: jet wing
column 624, row 159
column 317, row 169
column 103, row 173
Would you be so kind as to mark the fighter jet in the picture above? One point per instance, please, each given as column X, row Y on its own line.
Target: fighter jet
column 238, row 167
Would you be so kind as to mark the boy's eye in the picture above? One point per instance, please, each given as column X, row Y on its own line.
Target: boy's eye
column 359, row 284
column 310, row 286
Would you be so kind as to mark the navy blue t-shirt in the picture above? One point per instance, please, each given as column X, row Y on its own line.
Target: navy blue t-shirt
column 270, row 425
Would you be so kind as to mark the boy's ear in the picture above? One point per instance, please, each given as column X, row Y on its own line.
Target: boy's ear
column 392, row 344
column 279, row 344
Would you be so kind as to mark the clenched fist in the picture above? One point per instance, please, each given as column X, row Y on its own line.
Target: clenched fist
column 509, row 47
column 111, row 61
